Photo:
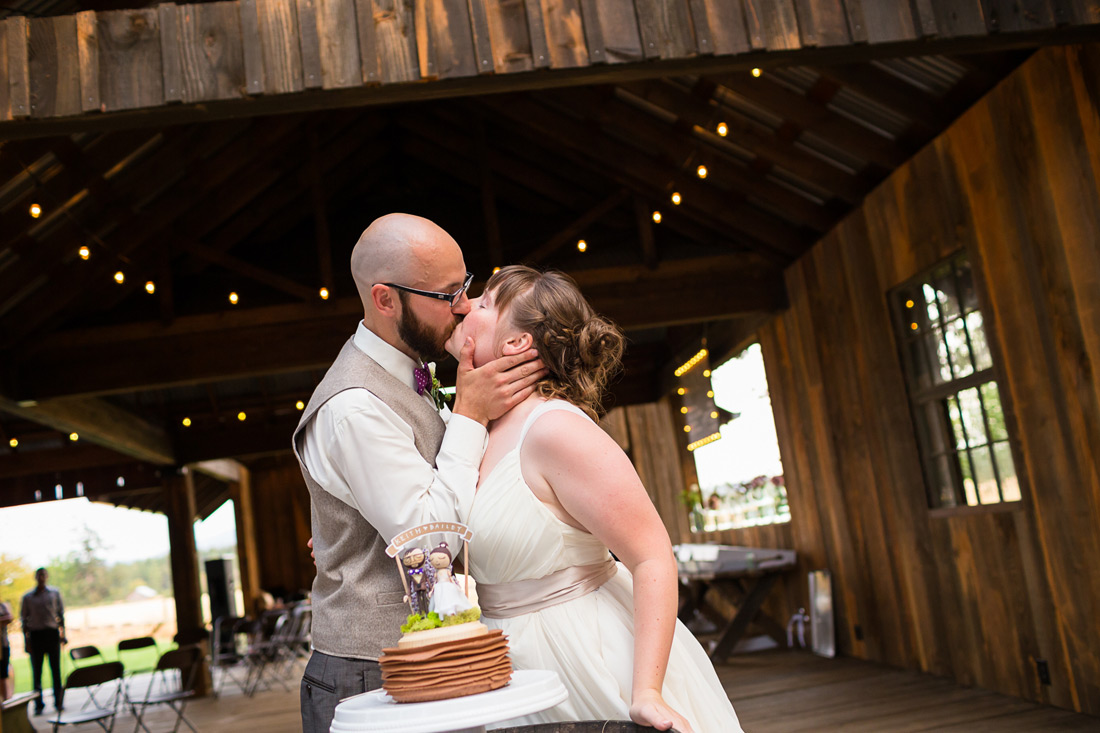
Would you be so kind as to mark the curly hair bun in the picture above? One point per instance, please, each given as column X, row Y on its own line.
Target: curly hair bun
column 582, row 350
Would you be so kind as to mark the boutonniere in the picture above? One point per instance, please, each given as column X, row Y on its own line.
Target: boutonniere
column 440, row 397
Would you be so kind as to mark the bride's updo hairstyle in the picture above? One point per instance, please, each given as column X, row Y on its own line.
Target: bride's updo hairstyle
column 581, row 349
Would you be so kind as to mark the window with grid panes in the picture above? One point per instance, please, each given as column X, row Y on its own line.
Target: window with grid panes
column 953, row 393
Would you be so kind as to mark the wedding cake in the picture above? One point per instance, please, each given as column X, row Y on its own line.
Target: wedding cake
column 445, row 651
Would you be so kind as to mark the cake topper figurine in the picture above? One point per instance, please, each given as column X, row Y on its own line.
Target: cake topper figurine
column 419, row 585
column 419, row 573
column 446, row 598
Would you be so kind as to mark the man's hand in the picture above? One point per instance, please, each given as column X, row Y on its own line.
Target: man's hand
column 485, row 393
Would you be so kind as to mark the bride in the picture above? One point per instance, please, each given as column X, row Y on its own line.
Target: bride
column 555, row 493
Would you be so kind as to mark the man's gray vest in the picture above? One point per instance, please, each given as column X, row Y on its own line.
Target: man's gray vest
column 357, row 594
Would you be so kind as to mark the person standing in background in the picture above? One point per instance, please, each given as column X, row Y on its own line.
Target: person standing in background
column 43, row 617
column 7, row 684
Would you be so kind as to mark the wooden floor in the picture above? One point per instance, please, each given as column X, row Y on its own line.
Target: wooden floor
column 773, row 692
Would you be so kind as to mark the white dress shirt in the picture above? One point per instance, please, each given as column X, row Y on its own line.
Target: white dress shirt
column 361, row 452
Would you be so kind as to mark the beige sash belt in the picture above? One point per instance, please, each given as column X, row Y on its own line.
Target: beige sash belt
column 507, row 600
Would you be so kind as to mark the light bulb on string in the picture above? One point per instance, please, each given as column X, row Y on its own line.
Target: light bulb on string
column 186, row 422
column 701, row 171
column 242, row 415
column 756, row 72
column 35, row 211
column 323, row 292
column 233, row 298
column 14, row 443
column 150, row 287
column 84, row 252
column 582, row 245
column 74, row 437
column 723, row 129
column 656, row 217
column 120, row 277
column 676, row 198
column 299, row 405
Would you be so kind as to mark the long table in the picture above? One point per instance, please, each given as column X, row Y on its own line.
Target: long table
column 743, row 574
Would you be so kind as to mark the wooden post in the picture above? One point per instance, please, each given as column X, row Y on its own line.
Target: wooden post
column 248, row 558
column 179, row 500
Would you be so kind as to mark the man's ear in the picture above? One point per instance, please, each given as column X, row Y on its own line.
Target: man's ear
column 384, row 299
column 517, row 344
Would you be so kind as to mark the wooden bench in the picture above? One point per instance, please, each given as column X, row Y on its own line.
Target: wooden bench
column 13, row 714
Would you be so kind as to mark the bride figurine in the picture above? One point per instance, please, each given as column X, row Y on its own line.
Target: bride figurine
column 447, row 598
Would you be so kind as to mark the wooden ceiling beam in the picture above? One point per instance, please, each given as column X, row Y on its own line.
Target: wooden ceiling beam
column 631, row 167
column 573, row 229
column 99, row 422
column 763, row 142
column 892, row 92
column 806, row 113
column 98, row 483
column 246, row 269
column 66, row 458
column 208, row 348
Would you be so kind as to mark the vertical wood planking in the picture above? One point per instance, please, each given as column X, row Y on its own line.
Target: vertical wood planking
column 1018, row 15
column 387, row 41
column 536, row 29
column 665, row 28
column 924, row 15
column 282, row 53
column 130, row 60
column 822, row 23
column 251, row 47
column 611, row 27
column 483, row 44
column 444, row 39
column 725, row 22
column 336, row 27
column 511, row 36
column 87, row 50
column 959, row 18
column 211, row 52
column 309, row 42
column 773, row 24
column 171, row 51
column 5, row 93
column 704, row 41
column 857, row 26
column 19, row 85
column 565, row 26
column 53, row 68
column 887, row 22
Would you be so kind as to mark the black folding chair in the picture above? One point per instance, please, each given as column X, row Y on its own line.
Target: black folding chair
column 95, row 675
column 81, row 654
column 227, row 652
column 184, row 664
column 127, row 651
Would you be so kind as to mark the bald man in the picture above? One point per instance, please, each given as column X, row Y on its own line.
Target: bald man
column 379, row 458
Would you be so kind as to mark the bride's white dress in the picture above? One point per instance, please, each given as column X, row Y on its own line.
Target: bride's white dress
column 588, row 641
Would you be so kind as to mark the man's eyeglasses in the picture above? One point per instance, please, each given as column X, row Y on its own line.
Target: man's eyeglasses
column 451, row 298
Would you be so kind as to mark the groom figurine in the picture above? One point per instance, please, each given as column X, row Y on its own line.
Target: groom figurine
column 377, row 455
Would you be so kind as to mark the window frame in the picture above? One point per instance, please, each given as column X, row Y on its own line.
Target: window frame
column 924, row 400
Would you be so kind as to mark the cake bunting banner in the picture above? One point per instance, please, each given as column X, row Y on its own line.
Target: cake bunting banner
column 409, row 535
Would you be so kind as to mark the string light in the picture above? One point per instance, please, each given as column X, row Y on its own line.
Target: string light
column 13, row 443
column 706, row 372
column 582, row 245
column 497, row 269
column 150, row 287
column 186, row 422
column 120, row 277
column 35, row 211
column 714, row 414
column 908, row 304
column 676, row 198
column 913, row 326
column 681, row 391
column 323, row 293
column 656, row 217
column 84, row 252
column 704, row 441
column 233, row 298
column 74, row 437
column 299, row 405
column 687, row 365
column 723, row 129
column 242, row 416
column 710, row 393
column 756, row 72
column 683, row 410
column 687, row 428
column 701, row 171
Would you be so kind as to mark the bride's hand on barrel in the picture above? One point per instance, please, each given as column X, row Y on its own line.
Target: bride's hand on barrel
column 649, row 708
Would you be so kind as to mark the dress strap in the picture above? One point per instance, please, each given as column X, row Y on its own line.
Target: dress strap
column 544, row 408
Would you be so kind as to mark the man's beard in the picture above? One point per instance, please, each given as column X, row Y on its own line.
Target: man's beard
column 418, row 337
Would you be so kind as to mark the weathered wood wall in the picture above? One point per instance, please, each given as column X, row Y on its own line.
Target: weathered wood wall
column 280, row 504
column 978, row 594
column 189, row 56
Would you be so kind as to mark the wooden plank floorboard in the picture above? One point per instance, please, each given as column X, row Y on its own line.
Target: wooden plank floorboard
column 773, row 692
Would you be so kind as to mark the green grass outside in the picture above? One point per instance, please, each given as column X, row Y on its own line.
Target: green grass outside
column 139, row 659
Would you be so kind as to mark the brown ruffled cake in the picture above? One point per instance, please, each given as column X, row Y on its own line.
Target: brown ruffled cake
column 447, row 662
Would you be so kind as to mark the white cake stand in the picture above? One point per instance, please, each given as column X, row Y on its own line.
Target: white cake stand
column 530, row 691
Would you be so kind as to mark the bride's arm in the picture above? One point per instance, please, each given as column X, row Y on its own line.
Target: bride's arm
column 596, row 485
